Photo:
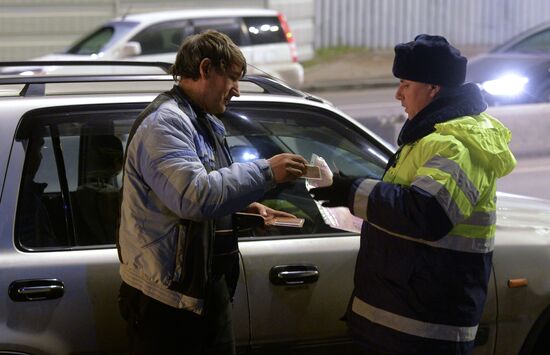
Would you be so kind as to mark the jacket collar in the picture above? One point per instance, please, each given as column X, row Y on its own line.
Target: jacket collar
column 182, row 97
column 450, row 103
column 197, row 113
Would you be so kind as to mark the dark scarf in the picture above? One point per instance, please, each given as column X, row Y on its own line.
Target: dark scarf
column 450, row 103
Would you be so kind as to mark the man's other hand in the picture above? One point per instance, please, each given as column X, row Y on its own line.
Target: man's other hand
column 266, row 212
column 287, row 167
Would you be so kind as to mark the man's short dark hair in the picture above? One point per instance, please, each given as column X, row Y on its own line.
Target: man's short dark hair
column 216, row 46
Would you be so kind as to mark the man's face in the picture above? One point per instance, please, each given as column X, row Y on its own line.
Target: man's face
column 220, row 88
column 414, row 96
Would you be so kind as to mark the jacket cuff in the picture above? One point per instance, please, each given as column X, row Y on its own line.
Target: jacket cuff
column 360, row 199
column 265, row 170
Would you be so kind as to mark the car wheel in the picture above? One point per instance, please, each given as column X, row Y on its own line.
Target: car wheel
column 538, row 341
column 543, row 344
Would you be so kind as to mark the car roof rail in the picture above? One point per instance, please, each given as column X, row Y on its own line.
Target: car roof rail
column 272, row 86
column 34, row 85
column 276, row 87
column 100, row 63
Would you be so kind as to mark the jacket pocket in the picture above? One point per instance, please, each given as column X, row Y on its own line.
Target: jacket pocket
column 181, row 249
column 157, row 259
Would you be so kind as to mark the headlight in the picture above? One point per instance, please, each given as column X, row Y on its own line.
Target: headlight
column 507, row 85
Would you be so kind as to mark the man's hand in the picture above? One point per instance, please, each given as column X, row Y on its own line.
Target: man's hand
column 336, row 194
column 287, row 167
column 266, row 212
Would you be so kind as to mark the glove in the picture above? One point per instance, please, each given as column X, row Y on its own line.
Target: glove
column 336, row 194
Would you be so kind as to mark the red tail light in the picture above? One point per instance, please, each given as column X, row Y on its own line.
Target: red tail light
column 289, row 37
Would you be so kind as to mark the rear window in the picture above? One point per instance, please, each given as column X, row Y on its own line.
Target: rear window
column 232, row 27
column 264, row 30
column 164, row 37
column 70, row 189
column 537, row 43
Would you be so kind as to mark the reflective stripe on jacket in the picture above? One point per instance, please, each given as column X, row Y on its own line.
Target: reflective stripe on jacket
column 428, row 237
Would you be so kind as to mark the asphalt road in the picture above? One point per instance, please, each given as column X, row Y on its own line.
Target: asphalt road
column 530, row 177
column 362, row 103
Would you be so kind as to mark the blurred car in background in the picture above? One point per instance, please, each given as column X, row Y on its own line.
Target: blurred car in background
column 516, row 71
column 262, row 34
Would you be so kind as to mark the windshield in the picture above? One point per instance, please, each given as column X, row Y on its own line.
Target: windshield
column 102, row 39
column 537, row 43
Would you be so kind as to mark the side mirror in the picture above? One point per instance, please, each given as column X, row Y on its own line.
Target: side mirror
column 130, row 49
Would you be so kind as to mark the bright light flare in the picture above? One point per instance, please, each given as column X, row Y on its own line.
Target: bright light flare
column 248, row 156
column 506, row 85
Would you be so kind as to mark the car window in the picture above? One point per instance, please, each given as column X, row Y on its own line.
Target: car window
column 232, row 27
column 537, row 43
column 162, row 38
column 262, row 132
column 70, row 189
column 101, row 39
column 264, row 30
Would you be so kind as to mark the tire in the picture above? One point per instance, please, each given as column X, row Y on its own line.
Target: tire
column 538, row 340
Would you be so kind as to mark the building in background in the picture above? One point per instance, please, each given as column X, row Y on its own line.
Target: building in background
column 36, row 27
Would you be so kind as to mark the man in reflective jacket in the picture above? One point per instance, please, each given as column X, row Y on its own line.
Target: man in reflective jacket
column 428, row 233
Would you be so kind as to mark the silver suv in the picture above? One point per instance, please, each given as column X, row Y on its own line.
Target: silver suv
column 62, row 142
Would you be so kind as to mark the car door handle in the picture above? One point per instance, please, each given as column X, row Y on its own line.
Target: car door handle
column 295, row 274
column 36, row 290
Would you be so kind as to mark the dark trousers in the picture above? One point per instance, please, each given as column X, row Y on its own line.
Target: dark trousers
column 155, row 328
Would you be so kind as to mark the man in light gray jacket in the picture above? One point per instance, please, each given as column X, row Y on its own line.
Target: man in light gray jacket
column 180, row 186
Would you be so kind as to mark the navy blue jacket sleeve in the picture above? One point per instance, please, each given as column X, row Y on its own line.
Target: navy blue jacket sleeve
column 408, row 211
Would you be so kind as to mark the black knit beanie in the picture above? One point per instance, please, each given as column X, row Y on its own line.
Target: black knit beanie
column 430, row 59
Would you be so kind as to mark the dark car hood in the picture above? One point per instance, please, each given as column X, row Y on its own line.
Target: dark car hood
column 492, row 65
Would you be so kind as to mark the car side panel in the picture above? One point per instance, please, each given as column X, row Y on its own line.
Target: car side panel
column 301, row 315
column 522, row 254
column 84, row 319
column 486, row 336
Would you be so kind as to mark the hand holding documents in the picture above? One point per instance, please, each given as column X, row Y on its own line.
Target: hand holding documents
column 278, row 221
column 312, row 172
column 285, row 222
column 336, row 217
column 325, row 174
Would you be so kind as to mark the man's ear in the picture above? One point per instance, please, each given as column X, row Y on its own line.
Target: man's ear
column 205, row 68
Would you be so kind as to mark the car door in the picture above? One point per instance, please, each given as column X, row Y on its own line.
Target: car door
column 59, row 267
column 299, row 279
column 59, row 263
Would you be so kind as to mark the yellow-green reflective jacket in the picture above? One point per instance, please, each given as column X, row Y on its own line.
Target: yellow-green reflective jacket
column 428, row 236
